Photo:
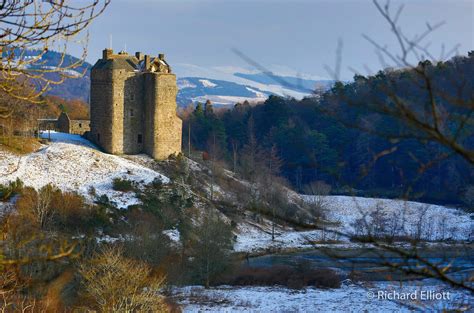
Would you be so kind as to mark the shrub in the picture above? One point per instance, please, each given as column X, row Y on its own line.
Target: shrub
column 167, row 202
column 19, row 145
column 120, row 184
column 51, row 208
column 113, row 283
column 6, row 192
column 146, row 240
column 36, row 205
column 73, row 214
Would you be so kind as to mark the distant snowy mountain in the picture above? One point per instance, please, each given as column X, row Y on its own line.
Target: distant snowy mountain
column 298, row 84
column 219, row 92
column 282, row 82
column 224, row 85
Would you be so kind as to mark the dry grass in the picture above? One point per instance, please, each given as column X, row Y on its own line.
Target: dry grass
column 19, row 145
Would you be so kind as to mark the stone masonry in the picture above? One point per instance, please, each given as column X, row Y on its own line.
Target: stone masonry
column 65, row 125
column 133, row 105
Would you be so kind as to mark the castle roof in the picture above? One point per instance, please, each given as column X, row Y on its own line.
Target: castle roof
column 136, row 63
column 124, row 63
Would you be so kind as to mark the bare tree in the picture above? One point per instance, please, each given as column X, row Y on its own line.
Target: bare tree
column 318, row 202
column 31, row 28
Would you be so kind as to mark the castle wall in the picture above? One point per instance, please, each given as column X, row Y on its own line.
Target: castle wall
column 162, row 124
column 66, row 125
column 149, row 94
column 133, row 126
column 101, row 109
column 79, row 127
column 121, row 141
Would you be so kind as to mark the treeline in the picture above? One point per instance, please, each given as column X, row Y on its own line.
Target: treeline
column 342, row 136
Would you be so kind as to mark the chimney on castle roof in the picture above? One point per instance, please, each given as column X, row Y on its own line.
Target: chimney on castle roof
column 107, row 53
column 161, row 56
column 139, row 55
column 147, row 62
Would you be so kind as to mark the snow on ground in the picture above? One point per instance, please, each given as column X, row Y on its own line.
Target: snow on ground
column 72, row 163
column 257, row 237
column 404, row 218
column 5, row 208
column 348, row 298
column 173, row 235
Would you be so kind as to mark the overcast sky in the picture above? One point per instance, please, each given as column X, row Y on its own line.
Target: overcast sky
column 301, row 35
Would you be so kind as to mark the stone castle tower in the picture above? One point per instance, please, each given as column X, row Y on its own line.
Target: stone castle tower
column 133, row 105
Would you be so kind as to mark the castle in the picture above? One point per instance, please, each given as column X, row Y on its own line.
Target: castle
column 133, row 105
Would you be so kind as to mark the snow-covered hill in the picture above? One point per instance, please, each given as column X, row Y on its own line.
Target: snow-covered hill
column 73, row 163
column 280, row 81
column 399, row 218
column 219, row 92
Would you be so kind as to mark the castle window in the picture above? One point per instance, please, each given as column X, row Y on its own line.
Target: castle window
column 140, row 138
column 80, row 125
column 132, row 96
column 131, row 112
column 98, row 137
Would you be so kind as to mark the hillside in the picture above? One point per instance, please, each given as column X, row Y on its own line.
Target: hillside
column 219, row 92
column 73, row 164
column 298, row 84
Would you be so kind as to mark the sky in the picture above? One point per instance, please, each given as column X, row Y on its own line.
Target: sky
column 284, row 36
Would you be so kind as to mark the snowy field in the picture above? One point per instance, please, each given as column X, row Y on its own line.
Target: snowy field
column 348, row 298
column 402, row 218
column 72, row 163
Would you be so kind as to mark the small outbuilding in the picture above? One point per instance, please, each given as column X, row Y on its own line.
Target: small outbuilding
column 66, row 125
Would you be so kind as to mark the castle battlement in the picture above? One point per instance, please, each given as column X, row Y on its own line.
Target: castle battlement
column 133, row 105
